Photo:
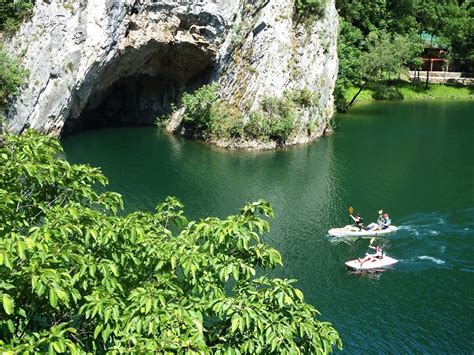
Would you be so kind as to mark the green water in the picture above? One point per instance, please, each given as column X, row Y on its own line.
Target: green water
column 414, row 160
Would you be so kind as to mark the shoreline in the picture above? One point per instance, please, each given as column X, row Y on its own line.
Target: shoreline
column 407, row 92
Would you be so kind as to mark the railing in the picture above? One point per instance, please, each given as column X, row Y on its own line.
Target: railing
column 442, row 77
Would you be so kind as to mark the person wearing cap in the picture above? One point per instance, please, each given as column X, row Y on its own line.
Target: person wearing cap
column 378, row 225
column 385, row 221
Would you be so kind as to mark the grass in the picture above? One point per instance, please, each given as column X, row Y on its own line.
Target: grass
column 408, row 91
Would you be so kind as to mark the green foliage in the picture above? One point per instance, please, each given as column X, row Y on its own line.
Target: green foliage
column 12, row 14
column 386, row 91
column 279, row 115
column 309, row 10
column 388, row 55
column 411, row 91
column 75, row 276
column 161, row 120
column 199, row 112
column 207, row 116
column 303, row 97
column 228, row 122
column 12, row 76
column 364, row 21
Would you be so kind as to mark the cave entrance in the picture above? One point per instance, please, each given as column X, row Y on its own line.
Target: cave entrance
column 140, row 85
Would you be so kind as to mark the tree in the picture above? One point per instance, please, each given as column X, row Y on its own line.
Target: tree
column 76, row 275
column 363, row 20
column 388, row 55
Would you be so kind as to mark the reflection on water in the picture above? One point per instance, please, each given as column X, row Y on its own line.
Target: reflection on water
column 414, row 160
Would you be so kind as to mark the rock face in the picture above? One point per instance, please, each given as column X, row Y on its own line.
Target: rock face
column 101, row 63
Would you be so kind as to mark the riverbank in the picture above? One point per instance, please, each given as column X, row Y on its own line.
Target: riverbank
column 403, row 90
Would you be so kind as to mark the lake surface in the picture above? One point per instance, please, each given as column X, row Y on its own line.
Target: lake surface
column 414, row 160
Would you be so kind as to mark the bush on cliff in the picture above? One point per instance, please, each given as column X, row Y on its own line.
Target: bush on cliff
column 12, row 14
column 199, row 110
column 207, row 116
column 309, row 10
column 76, row 276
column 12, row 76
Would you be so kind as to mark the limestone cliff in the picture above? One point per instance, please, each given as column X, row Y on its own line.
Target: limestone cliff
column 100, row 63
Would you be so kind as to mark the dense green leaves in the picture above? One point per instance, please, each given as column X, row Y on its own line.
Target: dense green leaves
column 13, row 12
column 387, row 33
column 208, row 116
column 199, row 113
column 309, row 10
column 11, row 76
column 76, row 276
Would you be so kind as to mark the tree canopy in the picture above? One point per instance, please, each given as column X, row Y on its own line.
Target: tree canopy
column 76, row 274
column 365, row 26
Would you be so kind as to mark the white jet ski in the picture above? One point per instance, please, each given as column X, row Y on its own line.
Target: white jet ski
column 371, row 264
column 351, row 231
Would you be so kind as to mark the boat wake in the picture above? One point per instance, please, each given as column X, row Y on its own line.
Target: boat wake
column 435, row 240
column 436, row 224
column 430, row 258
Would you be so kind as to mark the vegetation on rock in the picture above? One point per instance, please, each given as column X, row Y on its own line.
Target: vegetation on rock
column 209, row 117
column 76, row 276
column 200, row 110
column 12, row 75
column 12, row 14
column 309, row 10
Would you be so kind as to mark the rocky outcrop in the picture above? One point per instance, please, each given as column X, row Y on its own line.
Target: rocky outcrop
column 97, row 62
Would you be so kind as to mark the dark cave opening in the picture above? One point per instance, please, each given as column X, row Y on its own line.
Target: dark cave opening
column 140, row 86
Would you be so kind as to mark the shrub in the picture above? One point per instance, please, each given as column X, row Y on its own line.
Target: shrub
column 12, row 76
column 303, row 97
column 228, row 122
column 281, row 115
column 384, row 91
column 199, row 110
column 257, row 126
column 309, row 10
column 207, row 116
column 12, row 14
column 275, row 120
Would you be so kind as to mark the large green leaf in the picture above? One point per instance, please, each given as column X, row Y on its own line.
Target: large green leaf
column 8, row 303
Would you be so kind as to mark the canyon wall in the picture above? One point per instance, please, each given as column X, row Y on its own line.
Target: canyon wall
column 104, row 63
